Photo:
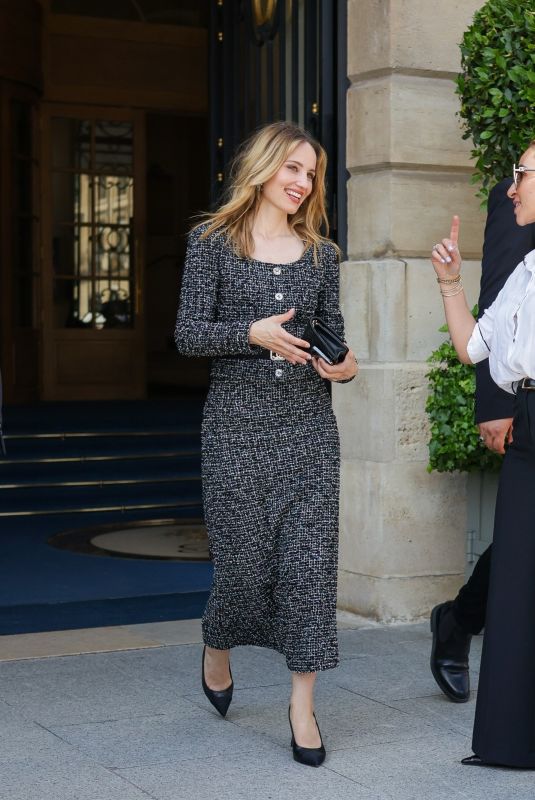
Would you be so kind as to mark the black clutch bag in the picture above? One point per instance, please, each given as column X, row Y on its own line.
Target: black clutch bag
column 324, row 342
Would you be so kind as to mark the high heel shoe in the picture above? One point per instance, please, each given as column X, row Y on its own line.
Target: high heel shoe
column 310, row 756
column 219, row 699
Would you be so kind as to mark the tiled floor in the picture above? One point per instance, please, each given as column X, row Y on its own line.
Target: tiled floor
column 118, row 714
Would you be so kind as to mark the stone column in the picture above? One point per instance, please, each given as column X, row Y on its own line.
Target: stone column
column 402, row 529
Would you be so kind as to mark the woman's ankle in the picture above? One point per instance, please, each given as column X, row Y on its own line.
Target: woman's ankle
column 301, row 708
column 216, row 654
column 217, row 668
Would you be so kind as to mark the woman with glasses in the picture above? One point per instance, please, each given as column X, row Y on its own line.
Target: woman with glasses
column 256, row 270
column 504, row 729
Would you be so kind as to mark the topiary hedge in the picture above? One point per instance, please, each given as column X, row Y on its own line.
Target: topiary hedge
column 497, row 87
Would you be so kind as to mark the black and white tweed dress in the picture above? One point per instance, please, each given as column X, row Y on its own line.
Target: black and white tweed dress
column 270, row 454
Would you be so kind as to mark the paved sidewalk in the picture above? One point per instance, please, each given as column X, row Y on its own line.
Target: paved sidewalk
column 133, row 724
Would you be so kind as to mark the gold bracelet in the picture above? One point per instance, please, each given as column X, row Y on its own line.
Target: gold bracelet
column 447, row 289
column 451, row 286
column 453, row 291
column 450, row 280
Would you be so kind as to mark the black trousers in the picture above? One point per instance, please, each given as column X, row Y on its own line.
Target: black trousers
column 504, row 728
column 470, row 606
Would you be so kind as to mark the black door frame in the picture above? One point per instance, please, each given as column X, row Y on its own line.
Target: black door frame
column 248, row 84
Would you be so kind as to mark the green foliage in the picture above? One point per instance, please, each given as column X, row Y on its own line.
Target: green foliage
column 454, row 443
column 497, row 87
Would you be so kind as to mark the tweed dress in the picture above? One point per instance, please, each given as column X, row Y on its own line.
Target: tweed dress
column 270, row 454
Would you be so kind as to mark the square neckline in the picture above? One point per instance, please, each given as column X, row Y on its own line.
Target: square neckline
column 281, row 263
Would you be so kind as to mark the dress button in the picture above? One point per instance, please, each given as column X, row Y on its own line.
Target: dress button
column 278, row 373
column 279, row 296
column 277, row 271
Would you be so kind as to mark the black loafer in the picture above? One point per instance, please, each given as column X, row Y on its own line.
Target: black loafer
column 220, row 699
column 474, row 761
column 477, row 761
column 449, row 654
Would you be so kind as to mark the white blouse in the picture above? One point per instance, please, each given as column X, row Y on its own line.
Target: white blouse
column 505, row 334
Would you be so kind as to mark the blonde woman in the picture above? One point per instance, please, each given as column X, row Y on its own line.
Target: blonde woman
column 255, row 271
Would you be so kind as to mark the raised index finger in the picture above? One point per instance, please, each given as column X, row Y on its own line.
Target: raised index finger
column 455, row 225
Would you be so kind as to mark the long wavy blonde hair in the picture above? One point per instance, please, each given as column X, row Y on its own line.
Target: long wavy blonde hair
column 257, row 160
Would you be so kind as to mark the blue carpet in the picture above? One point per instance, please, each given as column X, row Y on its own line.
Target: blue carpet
column 154, row 443
column 101, row 613
column 31, row 571
column 43, row 588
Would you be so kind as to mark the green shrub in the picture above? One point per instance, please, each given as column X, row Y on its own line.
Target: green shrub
column 454, row 443
column 497, row 87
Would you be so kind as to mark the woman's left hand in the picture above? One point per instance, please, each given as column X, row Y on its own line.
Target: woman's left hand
column 346, row 369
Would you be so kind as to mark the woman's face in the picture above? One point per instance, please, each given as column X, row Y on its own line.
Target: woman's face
column 523, row 195
column 293, row 182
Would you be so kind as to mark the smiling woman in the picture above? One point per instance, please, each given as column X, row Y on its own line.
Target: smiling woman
column 255, row 271
column 505, row 334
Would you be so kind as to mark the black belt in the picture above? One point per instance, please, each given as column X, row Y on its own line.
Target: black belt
column 262, row 354
column 528, row 384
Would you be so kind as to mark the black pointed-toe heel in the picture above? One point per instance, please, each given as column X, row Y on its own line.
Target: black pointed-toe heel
column 310, row 756
column 219, row 699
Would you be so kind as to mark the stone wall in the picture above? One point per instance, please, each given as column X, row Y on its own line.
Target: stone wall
column 402, row 530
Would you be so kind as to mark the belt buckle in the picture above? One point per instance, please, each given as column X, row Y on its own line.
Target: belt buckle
column 528, row 384
column 275, row 356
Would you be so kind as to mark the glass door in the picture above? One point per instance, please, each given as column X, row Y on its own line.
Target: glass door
column 93, row 223
column 93, row 239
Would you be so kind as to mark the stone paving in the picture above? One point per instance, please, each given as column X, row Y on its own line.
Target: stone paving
column 129, row 724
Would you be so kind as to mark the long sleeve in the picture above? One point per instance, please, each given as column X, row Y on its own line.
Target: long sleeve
column 329, row 298
column 478, row 347
column 198, row 330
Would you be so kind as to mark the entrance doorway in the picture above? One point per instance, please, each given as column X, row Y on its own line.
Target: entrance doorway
column 93, row 243
column 113, row 134
column 124, row 188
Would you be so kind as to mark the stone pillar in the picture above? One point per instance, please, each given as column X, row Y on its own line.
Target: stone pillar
column 402, row 529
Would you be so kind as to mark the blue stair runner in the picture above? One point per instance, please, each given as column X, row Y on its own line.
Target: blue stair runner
column 70, row 466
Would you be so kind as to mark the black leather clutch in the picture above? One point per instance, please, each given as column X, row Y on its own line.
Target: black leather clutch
column 324, row 342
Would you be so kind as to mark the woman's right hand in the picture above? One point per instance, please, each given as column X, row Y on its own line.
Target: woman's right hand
column 270, row 334
column 445, row 255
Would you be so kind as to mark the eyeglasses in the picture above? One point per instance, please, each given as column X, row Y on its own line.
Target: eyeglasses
column 518, row 172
